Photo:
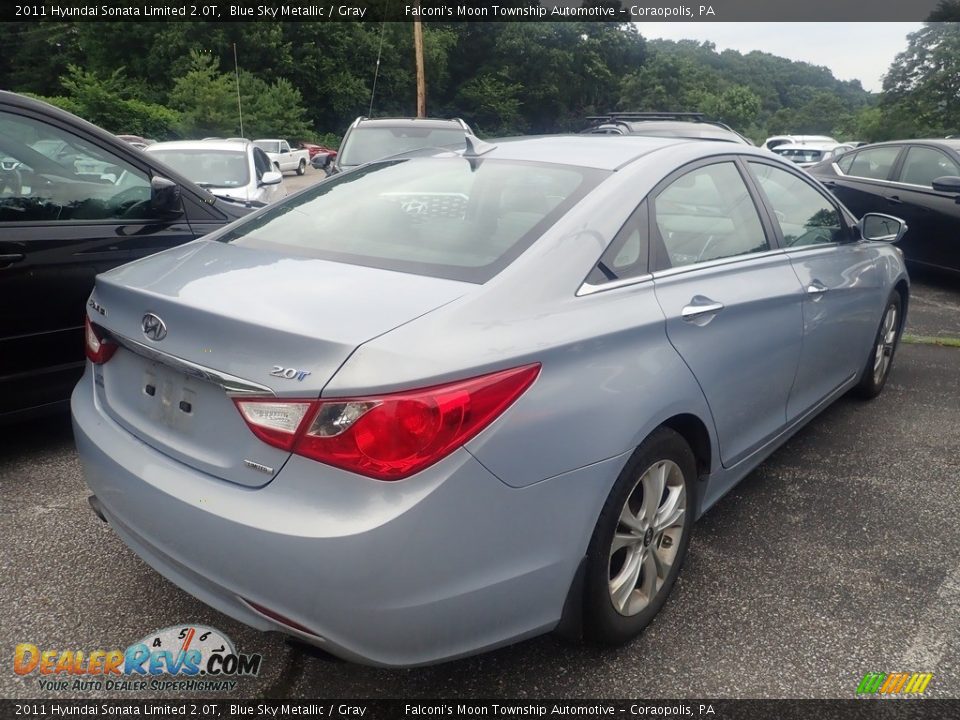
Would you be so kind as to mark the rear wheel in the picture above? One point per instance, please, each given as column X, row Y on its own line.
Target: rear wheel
column 640, row 540
column 874, row 374
column 302, row 167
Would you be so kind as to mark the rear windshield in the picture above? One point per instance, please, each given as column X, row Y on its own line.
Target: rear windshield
column 208, row 168
column 800, row 155
column 451, row 217
column 266, row 146
column 366, row 144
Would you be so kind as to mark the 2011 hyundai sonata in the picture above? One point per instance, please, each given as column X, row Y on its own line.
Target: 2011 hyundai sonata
column 447, row 401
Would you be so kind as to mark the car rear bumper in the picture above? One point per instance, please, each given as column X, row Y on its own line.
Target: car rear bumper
column 444, row 564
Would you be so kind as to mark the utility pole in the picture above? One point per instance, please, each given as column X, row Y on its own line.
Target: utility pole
column 418, row 50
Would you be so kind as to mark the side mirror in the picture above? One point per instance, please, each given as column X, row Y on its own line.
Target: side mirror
column 271, row 178
column 947, row 184
column 881, row 228
column 165, row 196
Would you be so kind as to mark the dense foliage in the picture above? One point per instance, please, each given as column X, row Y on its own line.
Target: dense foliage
column 310, row 80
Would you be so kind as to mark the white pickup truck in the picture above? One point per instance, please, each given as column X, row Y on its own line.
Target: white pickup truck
column 283, row 156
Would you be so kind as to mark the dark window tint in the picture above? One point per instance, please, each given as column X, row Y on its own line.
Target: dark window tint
column 874, row 163
column 261, row 162
column 454, row 218
column 49, row 174
column 805, row 216
column 366, row 144
column 707, row 214
column 922, row 165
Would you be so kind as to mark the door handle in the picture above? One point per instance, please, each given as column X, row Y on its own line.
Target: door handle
column 816, row 289
column 895, row 200
column 829, row 183
column 7, row 259
column 700, row 307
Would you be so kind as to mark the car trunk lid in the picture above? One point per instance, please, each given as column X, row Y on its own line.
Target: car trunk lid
column 237, row 321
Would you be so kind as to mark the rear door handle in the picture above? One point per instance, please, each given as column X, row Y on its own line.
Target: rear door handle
column 829, row 183
column 7, row 259
column 816, row 289
column 895, row 200
column 700, row 307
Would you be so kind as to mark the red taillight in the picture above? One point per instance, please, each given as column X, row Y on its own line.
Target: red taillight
column 98, row 347
column 388, row 437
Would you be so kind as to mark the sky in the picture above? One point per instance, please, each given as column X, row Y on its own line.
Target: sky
column 853, row 51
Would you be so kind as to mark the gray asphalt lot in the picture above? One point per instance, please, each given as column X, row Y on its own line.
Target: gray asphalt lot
column 840, row 555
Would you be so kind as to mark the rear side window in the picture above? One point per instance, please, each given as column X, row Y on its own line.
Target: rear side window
column 366, row 144
column 625, row 257
column 452, row 217
column 705, row 215
column 874, row 163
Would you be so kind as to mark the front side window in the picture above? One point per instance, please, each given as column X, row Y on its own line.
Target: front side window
column 261, row 162
column 875, row 163
column 49, row 174
column 457, row 218
column 923, row 165
column 707, row 214
column 805, row 216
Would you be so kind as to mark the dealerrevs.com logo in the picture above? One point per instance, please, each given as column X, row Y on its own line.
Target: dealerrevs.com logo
column 180, row 658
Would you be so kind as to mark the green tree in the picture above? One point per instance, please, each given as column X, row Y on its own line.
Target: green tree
column 206, row 99
column 109, row 102
column 272, row 109
column 922, row 86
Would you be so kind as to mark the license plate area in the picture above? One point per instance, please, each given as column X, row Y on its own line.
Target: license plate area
column 186, row 417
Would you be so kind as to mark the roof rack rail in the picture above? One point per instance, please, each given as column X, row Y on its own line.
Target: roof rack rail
column 650, row 115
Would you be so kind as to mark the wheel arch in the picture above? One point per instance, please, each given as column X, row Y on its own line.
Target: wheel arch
column 692, row 429
column 902, row 288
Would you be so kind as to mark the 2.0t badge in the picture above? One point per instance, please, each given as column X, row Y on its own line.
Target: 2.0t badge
column 153, row 327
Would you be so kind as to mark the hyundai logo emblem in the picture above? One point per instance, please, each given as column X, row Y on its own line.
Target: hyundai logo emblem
column 153, row 327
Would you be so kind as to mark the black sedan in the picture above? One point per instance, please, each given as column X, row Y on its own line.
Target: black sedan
column 917, row 180
column 74, row 201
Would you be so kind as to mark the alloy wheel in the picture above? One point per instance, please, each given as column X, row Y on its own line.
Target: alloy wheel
column 883, row 354
column 647, row 537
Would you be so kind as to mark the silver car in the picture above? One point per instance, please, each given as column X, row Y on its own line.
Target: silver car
column 235, row 169
column 443, row 402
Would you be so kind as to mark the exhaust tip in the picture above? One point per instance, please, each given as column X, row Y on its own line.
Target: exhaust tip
column 96, row 506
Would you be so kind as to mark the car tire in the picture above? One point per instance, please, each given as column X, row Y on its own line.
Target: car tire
column 877, row 369
column 302, row 167
column 632, row 564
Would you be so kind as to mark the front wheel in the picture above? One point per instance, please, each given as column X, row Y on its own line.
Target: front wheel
column 302, row 167
column 874, row 374
column 640, row 540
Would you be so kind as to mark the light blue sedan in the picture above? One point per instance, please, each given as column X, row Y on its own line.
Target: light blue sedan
column 450, row 400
